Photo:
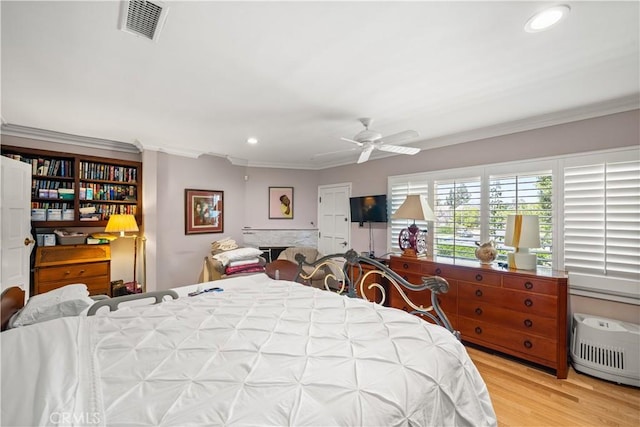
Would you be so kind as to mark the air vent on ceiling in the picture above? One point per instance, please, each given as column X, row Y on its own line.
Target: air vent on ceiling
column 143, row 18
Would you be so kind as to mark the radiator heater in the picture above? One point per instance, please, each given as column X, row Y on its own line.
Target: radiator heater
column 606, row 348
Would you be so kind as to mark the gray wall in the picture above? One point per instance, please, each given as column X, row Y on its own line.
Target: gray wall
column 175, row 259
column 607, row 132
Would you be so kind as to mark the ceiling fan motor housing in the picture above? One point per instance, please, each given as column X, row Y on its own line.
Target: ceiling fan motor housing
column 367, row 136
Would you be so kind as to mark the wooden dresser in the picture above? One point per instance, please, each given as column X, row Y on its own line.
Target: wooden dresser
column 56, row 266
column 518, row 312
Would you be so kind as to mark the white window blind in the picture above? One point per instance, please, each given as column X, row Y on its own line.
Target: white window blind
column 400, row 189
column 458, row 209
column 526, row 194
column 602, row 219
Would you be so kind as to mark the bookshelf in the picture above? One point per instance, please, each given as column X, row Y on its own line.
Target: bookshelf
column 64, row 185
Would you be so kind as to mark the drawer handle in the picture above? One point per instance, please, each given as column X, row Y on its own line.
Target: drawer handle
column 479, row 277
column 67, row 272
column 528, row 323
column 528, row 344
column 438, row 271
column 81, row 271
column 528, row 302
column 528, row 285
column 405, row 266
column 479, row 311
column 478, row 330
column 478, row 292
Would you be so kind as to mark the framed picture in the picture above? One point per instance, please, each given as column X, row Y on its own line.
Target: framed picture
column 280, row 202
column 204, row 211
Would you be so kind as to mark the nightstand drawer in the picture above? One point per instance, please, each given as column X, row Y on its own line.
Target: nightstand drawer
column 76, row 272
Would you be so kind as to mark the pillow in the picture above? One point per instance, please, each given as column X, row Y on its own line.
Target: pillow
column 237, row 254
column 69, row 300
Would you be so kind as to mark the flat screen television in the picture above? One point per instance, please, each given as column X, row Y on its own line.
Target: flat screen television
column 369, row 208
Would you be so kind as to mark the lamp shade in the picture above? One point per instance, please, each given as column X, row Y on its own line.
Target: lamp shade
column 121, row 223
column 414, row 207
column 523, row 231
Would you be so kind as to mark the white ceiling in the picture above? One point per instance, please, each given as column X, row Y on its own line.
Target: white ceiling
column 297, row 75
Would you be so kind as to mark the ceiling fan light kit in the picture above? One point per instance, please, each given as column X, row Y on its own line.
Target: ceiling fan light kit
column 369, row 140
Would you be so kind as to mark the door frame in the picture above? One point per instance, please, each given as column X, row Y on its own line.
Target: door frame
column 349, row 187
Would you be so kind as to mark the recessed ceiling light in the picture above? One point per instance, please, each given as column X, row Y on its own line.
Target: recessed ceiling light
column 252, row 140
column 546, row 19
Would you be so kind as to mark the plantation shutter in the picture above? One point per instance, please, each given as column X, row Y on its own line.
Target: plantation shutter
column 458, row 209
column 400, row 189
column 526, row 194
column 602, row 219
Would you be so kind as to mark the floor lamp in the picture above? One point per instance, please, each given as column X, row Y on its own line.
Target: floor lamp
column 119, row 223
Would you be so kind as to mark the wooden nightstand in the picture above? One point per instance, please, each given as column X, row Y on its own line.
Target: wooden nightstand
column 56, row 266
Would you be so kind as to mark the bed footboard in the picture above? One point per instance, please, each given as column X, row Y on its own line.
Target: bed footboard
column 352, row 274
column 114, row 303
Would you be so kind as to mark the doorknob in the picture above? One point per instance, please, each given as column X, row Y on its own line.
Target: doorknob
column 344, row 243
column 28, row 241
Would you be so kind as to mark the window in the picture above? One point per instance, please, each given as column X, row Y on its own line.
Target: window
column 602, row 218
column 400, row 189
column 526, row 194
column 457, row 207
column 588, row 205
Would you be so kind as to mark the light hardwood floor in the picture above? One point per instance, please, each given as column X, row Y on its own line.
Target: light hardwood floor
column 523, row 395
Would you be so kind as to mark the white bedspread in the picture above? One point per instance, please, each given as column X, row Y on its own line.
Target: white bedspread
column 262, row 352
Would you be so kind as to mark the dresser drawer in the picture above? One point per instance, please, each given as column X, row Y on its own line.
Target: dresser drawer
column 442, row 270
column 418, row 298
column 541, row 305
column 505, row 318
column 95, row 285
column 413, row 278
column 523, row 283
column 73, row 271
column 478, row 276
column 404, row 264
column 509, row 339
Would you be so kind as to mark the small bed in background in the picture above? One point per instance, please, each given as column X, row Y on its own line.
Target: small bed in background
column 249, row 350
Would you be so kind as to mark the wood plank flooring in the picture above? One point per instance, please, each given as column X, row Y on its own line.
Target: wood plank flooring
column 523, row 395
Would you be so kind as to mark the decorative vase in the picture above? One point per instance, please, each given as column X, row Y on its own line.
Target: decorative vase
column 486, row 252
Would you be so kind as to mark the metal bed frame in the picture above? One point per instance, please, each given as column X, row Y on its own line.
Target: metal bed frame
column 344, row 274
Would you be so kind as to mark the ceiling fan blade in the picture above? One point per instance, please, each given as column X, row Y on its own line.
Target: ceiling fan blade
column 364, row 156
column 400, row 136
column 398, row 149
column 351, row 140
column 333, row 152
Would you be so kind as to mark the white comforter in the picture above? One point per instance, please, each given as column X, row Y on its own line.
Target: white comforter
column 262, row 352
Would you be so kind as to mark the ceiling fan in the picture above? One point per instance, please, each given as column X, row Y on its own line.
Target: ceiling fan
column 370, row 140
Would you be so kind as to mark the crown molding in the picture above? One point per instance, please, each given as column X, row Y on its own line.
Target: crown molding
column 66, row 138
column 613, row 106
column 605, row 108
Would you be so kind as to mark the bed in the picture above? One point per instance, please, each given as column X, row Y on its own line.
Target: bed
column 248, row 350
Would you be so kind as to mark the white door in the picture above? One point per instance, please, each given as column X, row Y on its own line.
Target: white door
column 15, row 216
column 334, row 218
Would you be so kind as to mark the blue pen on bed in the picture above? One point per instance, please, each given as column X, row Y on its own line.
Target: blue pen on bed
column 216, row 289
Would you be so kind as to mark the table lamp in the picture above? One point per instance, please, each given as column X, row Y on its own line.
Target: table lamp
column 412, row 240
column 121, row 223
column 523, row 233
